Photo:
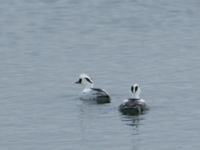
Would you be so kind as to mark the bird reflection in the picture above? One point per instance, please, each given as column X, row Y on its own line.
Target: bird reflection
column 133, row 121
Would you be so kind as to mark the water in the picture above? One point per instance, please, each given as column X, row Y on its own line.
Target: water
column 45, row 44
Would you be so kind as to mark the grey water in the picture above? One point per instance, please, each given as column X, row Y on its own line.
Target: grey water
column 46, row 44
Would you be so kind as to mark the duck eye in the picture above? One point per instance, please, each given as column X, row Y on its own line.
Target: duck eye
column 88, row 80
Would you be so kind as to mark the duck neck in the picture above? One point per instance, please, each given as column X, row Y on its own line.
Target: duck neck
column 88, row 86
column 136, row 95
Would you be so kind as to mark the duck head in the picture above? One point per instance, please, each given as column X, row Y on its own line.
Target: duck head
column 135, row 90
column 85, row 81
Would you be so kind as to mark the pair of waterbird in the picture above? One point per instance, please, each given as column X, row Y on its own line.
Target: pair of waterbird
column 133, row 106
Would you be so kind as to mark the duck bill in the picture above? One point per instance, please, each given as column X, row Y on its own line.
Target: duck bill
column 77, row 82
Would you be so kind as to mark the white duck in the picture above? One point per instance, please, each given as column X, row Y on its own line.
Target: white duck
column 91, row 93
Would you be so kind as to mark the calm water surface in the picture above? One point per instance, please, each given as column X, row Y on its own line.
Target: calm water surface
column 45, row 44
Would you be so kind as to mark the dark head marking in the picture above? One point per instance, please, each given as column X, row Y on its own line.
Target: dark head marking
column 132, row 89
column 88, row 80
column 136, row 88
column 79, row 81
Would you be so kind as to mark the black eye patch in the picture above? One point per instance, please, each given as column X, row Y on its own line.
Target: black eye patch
column 79, row 81
column 88, row 80
column 132, row 89
column 136, row 88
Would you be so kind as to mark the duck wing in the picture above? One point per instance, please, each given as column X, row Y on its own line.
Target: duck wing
column 101, row 96
column 132, row 102
column 99, row 92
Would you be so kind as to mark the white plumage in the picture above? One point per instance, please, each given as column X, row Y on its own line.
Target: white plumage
column 91, row 93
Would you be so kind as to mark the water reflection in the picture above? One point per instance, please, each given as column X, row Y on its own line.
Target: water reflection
column 93, row 118
column 133, row 121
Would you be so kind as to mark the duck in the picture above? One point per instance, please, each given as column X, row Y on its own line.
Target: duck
column 100, row 96
column 134, row 105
